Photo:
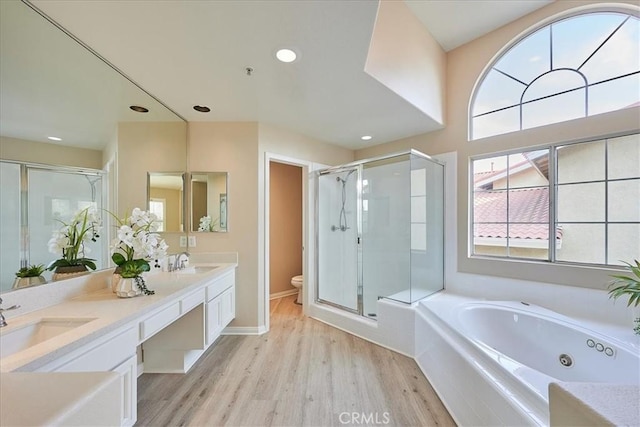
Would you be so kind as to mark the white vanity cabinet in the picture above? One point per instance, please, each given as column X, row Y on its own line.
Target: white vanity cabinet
column 220, row 306
column 115, row 352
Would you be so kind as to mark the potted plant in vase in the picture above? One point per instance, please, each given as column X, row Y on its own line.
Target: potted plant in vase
column 628, row 286
column 137, row 243
column 69, row 242
column 29, row 276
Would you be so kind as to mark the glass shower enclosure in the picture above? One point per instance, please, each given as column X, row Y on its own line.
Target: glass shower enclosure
column 379, row 231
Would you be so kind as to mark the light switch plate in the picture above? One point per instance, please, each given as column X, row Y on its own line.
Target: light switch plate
column 192, row 241
column 183, row 241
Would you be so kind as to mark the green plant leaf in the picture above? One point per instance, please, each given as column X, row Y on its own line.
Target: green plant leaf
column 118, row 258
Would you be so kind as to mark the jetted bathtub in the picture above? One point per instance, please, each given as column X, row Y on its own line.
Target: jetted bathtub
column 491, row 362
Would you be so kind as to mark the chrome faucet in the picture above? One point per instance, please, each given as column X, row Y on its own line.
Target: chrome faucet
column 3, row 321
column 178, row 264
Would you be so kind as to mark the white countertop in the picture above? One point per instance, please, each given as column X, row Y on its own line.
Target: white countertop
column 109, row 311
column 38, row 399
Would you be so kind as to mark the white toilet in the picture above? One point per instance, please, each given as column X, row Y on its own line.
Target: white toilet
column 297, row 282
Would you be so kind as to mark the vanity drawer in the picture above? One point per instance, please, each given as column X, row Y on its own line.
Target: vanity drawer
column 103, row 357
column 153, row 324
column 190, row 301
column 220, row 284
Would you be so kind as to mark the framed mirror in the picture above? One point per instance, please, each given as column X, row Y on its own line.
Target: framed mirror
column 165, row 198
column 209, row 202
column 51, row 85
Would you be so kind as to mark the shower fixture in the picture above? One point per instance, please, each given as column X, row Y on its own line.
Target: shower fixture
column 343, row 226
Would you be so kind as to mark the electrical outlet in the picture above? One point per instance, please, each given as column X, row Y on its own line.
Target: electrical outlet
column 183, row 241
column 192, row 241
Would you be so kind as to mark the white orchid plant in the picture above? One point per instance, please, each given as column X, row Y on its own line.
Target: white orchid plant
column 207, row 224
column 137, row 243
column 70, row 239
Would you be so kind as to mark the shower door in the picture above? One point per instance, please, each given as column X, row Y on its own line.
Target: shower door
column 338, row 214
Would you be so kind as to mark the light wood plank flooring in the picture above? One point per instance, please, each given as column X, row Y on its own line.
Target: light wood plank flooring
column 301, row 373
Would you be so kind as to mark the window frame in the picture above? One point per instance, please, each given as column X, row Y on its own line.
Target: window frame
column 609, row 8
column 553, row 202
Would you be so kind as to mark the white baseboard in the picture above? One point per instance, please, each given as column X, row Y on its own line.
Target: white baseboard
column 244, row 330
column 282, row 294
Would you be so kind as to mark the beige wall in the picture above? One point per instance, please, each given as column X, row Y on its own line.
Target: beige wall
column 464, row 66
column 239, row 148
column 148, row 147
column 50, row 154
column 233, row 147
column 406, row 58
column 285, row 225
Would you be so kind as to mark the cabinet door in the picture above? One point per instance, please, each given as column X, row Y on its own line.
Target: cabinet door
column 214, row 319
column 129, row 379
column 228, row 306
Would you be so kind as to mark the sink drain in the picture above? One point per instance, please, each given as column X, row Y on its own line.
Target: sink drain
column 565, row 360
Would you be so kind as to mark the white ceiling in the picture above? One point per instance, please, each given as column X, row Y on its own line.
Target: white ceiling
column 189, row 53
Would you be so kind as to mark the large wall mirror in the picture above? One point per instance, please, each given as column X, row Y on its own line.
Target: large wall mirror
column 166, row 199
column 52, row 86
column 209, row 202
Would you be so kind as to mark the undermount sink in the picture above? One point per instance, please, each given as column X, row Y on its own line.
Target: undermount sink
column 25, row 336
column 198, row 269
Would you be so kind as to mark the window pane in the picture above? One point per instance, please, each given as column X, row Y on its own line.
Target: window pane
column 530, row 169
column 618, row 56
column 614, row 95
column 419, row 209
column 529, row 58
column 582, row 243
column 553, row 83
column 623, row 155
column 488, row 237
column 490, row 206
column 570, row 51
column 581, row 162
column 624, row 200
column 581, row 202
column 624, row 243
column 529, row 205
column 497, row 123
column 497, row 91
column 489, row 173
column 559, row 108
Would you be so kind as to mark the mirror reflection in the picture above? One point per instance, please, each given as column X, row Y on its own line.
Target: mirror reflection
column 209, row 202
column 97, row 156
column 166, row 199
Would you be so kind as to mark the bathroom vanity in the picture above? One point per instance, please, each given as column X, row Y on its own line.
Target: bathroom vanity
column 99, row 332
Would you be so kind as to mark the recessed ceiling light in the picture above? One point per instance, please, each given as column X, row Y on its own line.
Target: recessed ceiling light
column 201, row 108
column 366, row 137
column 139, row 109
column 54, row 138
column 286, row 55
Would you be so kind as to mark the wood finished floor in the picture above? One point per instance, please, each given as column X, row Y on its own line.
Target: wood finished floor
column 301, row 373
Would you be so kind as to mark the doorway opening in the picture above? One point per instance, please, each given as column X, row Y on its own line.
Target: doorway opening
column 285, row 234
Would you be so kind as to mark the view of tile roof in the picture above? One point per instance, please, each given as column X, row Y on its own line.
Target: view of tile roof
column 528, row 214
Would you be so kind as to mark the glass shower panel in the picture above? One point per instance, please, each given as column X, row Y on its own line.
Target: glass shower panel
column 427, row 228
column 56, row 196
column 386, row 233
column 337, row 238
column 9, row 223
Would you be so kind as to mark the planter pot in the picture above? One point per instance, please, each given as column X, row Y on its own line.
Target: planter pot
column 115, row 279
column 69, row 271
column 25, row 282
column 128, row 287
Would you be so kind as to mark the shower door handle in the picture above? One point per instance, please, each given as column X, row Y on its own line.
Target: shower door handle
column 358, row 240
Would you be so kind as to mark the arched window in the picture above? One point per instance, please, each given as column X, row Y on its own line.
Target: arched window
column 575, row 67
